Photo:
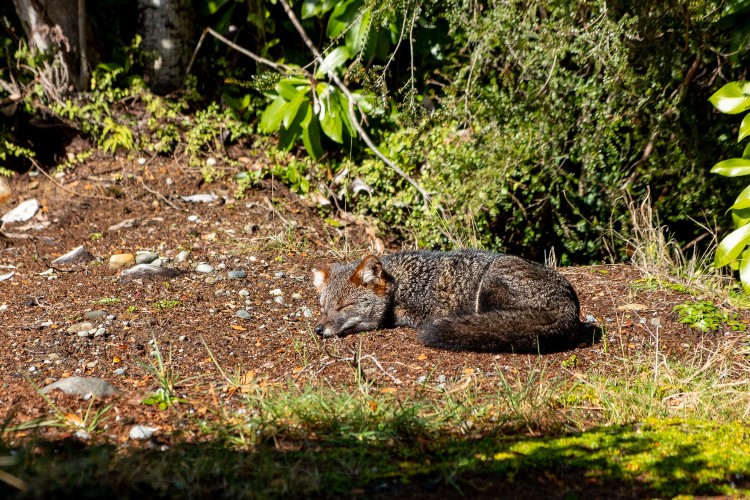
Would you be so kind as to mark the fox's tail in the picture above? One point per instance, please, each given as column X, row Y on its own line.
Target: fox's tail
column 506, row 330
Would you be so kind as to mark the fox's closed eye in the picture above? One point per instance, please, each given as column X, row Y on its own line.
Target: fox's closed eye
column 342, row 307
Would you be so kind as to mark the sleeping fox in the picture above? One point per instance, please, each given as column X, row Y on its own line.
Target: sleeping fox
column 465, row 300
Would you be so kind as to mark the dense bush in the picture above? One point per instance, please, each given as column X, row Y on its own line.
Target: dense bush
column 553, row 113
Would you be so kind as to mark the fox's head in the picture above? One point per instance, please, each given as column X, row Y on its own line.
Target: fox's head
column 352, row 297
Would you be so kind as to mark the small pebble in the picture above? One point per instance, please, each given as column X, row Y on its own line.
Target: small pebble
column 95, row 314
column 100, row 332
column 236, row 275
column 3, row 307
column 279, row 274
column 120, row 371
column 46, row 324
column 182, row 256
column 276, row 292
column 84, row 334
column 243, row 314
column 121, row 260
column 279, row 300
column 296, row 296
column 80, row 327
column 204, row 268
column 145, row 257
column 306, row 312
column 193, row 218
column 142, row 432
column 157, row 262
column 244, row 293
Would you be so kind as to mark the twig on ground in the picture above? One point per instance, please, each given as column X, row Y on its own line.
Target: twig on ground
column 159, row 195
column 276, row 213
column 69, row 191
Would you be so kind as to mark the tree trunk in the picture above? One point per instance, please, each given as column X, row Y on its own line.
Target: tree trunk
column 167, row 28
column 57, row 27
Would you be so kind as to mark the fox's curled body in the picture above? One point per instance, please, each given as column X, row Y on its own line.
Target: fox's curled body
column 467, row 300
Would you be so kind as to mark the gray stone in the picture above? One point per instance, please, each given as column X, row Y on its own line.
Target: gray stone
column 82, row 386
column 77, row 255
column 182, row 256
column 80, row 327
column 145, row 257
column 147, row 271
column 95, row 314
column 244, row 293
column 243, row 314
column 120, row 371
column 236, row 275
column 123, row 225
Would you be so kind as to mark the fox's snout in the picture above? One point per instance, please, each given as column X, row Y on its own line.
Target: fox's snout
column 319, row 330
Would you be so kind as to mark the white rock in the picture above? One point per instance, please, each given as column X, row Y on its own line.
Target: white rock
column 142, row 432
column 23, row 212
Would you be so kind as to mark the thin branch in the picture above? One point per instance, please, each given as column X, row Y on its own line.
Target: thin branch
column 69, row 191
column 251, row 55
column 354, row 118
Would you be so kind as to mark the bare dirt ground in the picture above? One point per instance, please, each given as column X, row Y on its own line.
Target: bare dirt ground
column 194, row 316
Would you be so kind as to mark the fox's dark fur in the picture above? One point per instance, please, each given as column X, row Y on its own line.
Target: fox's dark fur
column 467, row 300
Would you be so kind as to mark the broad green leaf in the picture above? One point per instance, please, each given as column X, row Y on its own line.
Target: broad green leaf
column 294, row 108
column 310, row 8
column 746, row 152
column 343, row 104
column 740, row 205
column 287, row 138
column 735, row 167
column 732, row 98
column 332, row 61
column 286, row 89
column 333, row 127
column 731, row 246
column 342, row 17
column 740, row 217
column 744, row 128
column 741, row 208
column 311, row 135
column 745, row 270
column 357, row 35
column 328, row 5
column 270, row 121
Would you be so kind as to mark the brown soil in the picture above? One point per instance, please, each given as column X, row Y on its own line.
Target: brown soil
column 276, row 345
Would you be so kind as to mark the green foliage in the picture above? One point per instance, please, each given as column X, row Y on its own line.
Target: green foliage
column 544, row 122
column 296, row 111
column 106, row 301
column 733, row 250
column 705, row 316
column 167, row 304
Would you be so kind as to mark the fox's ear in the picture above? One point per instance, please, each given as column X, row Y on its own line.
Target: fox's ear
column 368, row 272
column 320, row 276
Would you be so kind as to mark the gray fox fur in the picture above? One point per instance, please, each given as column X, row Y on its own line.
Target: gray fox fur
column 466, row 300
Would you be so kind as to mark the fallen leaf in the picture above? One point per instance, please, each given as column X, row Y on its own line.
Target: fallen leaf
column 422, row 357
column 388, row 390
column 74, row 419
column 238, row 328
